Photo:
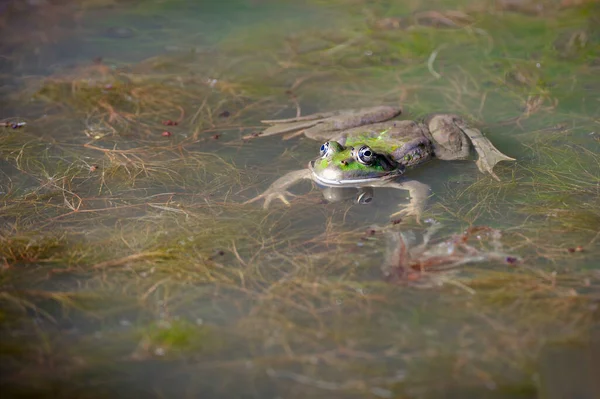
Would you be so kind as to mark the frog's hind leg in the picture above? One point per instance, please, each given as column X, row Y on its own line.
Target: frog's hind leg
column 450, row 132
column 289, row 127
column 449, row 142
column 323, row 125
column 311, row 117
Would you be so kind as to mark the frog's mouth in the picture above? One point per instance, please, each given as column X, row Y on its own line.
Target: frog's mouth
column 357, row 181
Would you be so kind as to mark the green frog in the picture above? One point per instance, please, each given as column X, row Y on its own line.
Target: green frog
column 367, row 148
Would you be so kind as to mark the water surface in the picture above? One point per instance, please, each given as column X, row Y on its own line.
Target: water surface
column 132, row 267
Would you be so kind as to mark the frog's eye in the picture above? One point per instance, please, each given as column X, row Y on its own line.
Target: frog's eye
column 329, row 147
column 324, row 149
column 365, row 155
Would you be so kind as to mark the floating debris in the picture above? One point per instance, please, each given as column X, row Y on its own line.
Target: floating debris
column 13, row 125
column 511, row 260
column 435, row 19
column 407, row 260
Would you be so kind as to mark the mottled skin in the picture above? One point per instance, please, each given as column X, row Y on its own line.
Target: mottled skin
column 364, row 148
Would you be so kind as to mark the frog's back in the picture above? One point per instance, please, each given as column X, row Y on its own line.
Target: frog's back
column 385, row 136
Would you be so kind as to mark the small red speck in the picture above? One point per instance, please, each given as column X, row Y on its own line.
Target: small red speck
column 169, row 122
column 166, row 134
column 216, row 136
column 571, row 250
column 412, row 276
column 396, row 221
column 93, row 168
column 579, row 248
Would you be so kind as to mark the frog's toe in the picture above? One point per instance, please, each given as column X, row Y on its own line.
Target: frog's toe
column 251, row 200
column 408, row 210
column 287, row 127
column 489, row 155
column 280, row 196
column 485, row 167
column 489, row 158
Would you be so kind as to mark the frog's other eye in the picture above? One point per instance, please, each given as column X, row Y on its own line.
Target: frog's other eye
column 324, row 149
column 365, row 155
column 329, row 147
column 365, row 197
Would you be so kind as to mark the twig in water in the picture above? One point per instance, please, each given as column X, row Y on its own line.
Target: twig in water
column 431, row 60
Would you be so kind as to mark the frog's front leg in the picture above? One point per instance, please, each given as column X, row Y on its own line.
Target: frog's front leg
column 278, row 190
column 419, row 195
column 451, row 136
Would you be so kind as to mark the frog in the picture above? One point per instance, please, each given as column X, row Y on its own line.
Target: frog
column 371, row 147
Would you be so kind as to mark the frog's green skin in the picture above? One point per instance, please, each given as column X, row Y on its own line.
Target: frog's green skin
column 394, row 147
column 364, row 148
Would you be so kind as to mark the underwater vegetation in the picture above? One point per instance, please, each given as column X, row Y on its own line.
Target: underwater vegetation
column 130, row 266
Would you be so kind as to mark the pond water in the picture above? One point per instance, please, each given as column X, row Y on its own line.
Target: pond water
column 133, row 266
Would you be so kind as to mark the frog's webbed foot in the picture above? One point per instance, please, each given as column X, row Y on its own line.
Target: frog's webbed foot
column 324, row 125
column 287, row 127
column 311, row 117
column 419, row 194
column 408, row 211
column 269, row 195
column 278, row 190
column 489, row 155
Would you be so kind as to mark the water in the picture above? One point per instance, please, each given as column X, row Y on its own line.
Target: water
column 132, row 266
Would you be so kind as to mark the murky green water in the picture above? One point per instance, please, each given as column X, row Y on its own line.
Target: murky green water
column 131, row 266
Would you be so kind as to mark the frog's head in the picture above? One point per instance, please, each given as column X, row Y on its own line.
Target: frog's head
column 339, row 165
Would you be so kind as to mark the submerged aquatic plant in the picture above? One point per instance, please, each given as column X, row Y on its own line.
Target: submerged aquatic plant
column 406, row 261
column 124, row 249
